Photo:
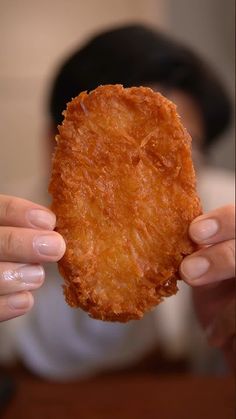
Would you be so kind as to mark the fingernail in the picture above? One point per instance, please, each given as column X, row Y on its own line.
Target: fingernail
column 19, row 301
column 31, row 274
column 194, row 267
column 41, row 219
column 28, row 274
column 50, row 245
column 203, row 229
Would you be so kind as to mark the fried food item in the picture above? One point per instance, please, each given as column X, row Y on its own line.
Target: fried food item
column 123, row 188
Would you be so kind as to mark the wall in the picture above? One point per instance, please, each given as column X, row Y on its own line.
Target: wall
column 209, row 26
column 34, row 36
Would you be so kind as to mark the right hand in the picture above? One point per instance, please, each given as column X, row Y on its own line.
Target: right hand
column 27, row 239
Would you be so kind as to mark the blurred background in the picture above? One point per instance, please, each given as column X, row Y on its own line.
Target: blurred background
column 35, row 36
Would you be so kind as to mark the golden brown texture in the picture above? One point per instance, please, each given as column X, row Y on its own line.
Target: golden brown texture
column 123, row 189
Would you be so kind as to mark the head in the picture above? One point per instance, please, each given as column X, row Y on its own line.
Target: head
column 137, row 55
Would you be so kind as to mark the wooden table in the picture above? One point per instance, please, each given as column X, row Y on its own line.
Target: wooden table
column 120, row 396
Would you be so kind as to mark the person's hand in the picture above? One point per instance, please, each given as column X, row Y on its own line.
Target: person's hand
column 26, row 241
column 211, row 271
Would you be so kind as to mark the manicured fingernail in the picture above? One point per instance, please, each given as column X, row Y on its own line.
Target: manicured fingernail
column 31, row 274
column 19, row 301
column 50, row 245
column 203, row 229
column 194, row 267
column 41, row 219
column 28, row 274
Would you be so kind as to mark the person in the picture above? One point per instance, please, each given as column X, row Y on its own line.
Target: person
column 59, row 342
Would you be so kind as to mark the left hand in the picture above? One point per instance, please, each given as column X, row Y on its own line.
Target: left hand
column 211, row 273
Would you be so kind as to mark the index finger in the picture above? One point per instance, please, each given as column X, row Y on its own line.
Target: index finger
column 17, row 212
column 214, row 227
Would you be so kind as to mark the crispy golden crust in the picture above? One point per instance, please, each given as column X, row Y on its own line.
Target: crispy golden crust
column 123, row 189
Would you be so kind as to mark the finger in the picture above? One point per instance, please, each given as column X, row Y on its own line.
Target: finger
column 16, row 277
column 17, row 212
column 214, row 227
column 30, row 246
column 210, row 264
column 15, row 305
column 222, row 329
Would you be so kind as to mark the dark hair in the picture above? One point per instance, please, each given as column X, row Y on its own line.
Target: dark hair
column 134, row 55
